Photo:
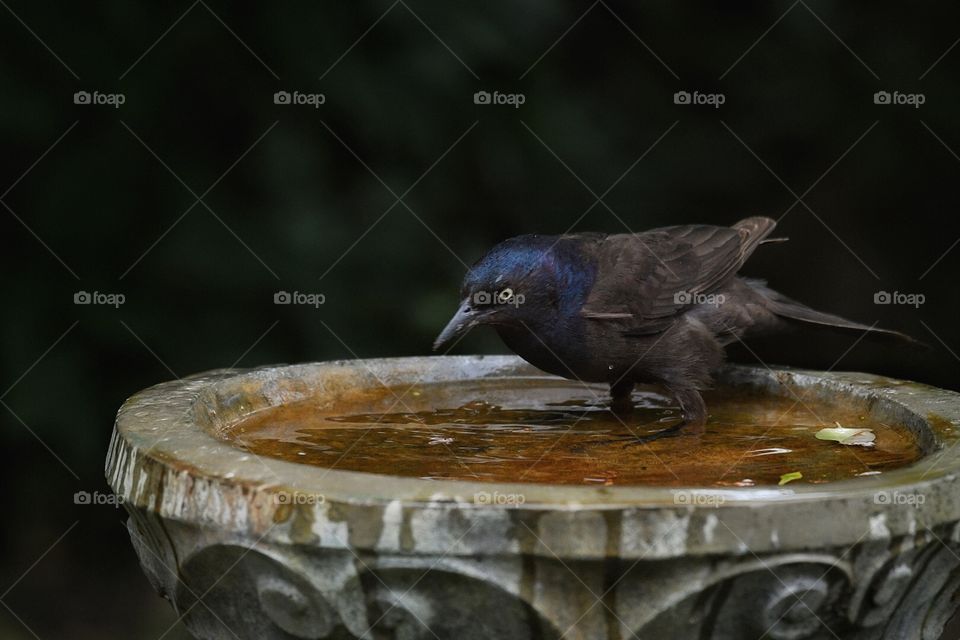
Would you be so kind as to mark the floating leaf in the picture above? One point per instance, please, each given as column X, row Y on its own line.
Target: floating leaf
column 847, row 436
column 789, row 477
column 838, row 433
column 864, row 438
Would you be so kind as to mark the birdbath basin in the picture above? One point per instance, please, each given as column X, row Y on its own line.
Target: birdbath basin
column 476, row 497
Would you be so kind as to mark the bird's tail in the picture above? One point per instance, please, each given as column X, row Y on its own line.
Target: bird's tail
column 785, row 307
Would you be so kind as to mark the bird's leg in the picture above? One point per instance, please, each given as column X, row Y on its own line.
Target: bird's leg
column 620, row 400
column 621, row 404
column 693, row 408
column 694, row 412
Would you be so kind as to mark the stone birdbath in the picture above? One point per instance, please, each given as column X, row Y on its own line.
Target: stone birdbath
column 476, row 497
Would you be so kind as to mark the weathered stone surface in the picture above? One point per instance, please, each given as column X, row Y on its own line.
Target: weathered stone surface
column 250, row 547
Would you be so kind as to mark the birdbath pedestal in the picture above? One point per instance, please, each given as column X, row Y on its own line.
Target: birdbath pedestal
column 247, row 541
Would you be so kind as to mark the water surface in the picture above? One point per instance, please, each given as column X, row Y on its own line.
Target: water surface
column 545, row 430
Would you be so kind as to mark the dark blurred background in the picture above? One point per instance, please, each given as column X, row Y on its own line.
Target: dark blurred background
column 297, row 197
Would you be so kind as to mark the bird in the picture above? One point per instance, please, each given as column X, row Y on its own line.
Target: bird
column 655, row 307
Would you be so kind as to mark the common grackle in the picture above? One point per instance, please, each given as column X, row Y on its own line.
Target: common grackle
column 652, row 307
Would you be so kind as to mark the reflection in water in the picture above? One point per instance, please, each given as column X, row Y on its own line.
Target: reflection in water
column 554, row 431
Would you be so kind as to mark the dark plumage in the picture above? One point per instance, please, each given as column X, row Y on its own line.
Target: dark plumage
column 652, row 307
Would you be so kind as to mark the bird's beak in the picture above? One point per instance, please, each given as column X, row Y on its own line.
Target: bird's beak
column 462, row 321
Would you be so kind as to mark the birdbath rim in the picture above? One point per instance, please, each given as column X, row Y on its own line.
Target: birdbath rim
column 166, row 456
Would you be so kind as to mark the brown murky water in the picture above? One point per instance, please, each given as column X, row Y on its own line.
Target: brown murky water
column 560, row 432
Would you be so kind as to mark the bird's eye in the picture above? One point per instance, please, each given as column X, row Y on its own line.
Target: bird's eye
column 505, row 296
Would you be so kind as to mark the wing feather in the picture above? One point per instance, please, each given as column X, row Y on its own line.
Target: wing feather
column 645, row 280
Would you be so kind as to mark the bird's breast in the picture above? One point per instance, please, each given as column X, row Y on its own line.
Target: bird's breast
column 558, row 350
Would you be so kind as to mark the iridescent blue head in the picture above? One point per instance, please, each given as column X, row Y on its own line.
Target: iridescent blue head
column 513, row 284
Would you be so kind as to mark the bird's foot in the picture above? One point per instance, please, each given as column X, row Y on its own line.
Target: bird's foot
column 692, row 426
column 634, row 438
column 694, row 411
column 695, row 426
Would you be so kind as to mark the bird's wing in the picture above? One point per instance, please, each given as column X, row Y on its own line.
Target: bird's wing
column 644, row 280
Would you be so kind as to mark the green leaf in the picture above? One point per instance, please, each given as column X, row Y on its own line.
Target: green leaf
column 789, row 477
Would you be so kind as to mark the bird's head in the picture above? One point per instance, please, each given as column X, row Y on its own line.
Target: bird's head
column 513, row 284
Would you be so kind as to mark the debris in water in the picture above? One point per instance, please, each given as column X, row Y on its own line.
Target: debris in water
column 847, row 436
column 789, row 477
